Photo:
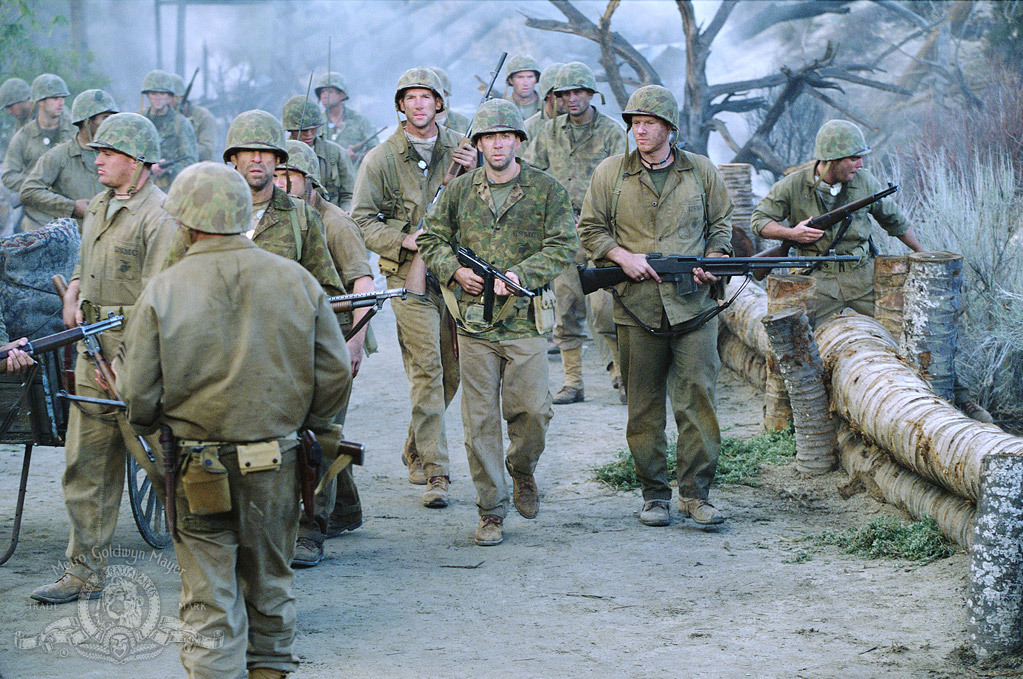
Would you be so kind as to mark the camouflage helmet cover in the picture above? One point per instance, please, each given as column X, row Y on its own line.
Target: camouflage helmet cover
column 547, row 78
column 211, row 198
column 330, row 79
column 498, row 115
column 179, row 85
column 521, row 62
column 301, row 114
column 14, row 90
column 575, row 75
column 158, row 81
column 131, row 134
column 256, row 130
column 839, row 139
column 419, row 77
column 48, row 85
column 302, row 158
column 442, row 75
column 91, row 103
column 652, row 100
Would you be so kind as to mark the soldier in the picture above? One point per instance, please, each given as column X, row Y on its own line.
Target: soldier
column 303, row 121
column 40, row 134
column 177, row 138
column 203, row 123
column 16, row 100
column 836, row 177
column 346, row 127
column 449, row 118
column 299, row 176
column 395, row 184
column 17, row 361
column 64, row 180
column 662, row 197
column 522, row 74
column 552, row 106
column 520, row 220
column 236, row 584
column 570, row 147
column 125, row 238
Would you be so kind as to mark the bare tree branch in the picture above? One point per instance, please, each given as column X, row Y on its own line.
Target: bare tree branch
column 722, row 129
column 776, row 13
column 607, row 55
column 738, row 105
column 903, row 12
column 841, row 109
column 720, row 17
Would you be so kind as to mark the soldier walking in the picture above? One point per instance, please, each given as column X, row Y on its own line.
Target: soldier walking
column 177, row 138
column 16, row 101
column 519, row 219
column 303, row 120
column 552, row 106
column 203, row 123
column 47, row 129
column 522, row 75
column 346, row 127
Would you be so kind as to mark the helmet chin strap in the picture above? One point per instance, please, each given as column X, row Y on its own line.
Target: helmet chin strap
column 825, row 165
column 132, row 187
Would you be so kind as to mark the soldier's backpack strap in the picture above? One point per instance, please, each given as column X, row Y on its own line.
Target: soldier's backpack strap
column 395, row 192
column 296, row 228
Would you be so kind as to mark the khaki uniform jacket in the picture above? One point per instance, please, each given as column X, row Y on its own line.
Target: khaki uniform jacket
column 64, row 174
column 336, row 172
column 573, row 163
column 532, row 235
column 691, row 216
column 344, row 242
column 177, row 143
column 353, row 129
column 794, row 198
column 402, row 195
column 28, row 145
column 205, row 127
column 233, row 344
column 120, row 255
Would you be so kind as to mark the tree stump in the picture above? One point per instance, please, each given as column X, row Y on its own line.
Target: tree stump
column 889, row 278
column 784, row 291
column 933, row 301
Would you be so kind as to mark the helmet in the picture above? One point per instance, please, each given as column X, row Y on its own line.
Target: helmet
column 575, row 75
column 13, row 91
column 419, row 77
column 256, row 130
column 445, row 81
column 330, row 79
column 652, row 100
column 302, row 158
column 179, row 85
column 48, row 85
column 301, row 114
column 839, row 139
column 521, row 62
column 498, row 115
column 159, row 81
column 131, row 134
column 91, row 103
column 211, row 198
column 547, row 78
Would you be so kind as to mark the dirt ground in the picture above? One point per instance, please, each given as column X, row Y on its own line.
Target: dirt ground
column 584, row 590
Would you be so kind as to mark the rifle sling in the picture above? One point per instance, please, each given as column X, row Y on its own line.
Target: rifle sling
column 474, row 328
column 686, row 327
column 335, row 468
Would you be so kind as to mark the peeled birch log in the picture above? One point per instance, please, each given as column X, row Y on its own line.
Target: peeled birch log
column 896, row 409
column 933, row 301
column 800, row 364
column 744, row 360
column 744, row 316
column 906, row 490
column 784, row 291
column 889, row 278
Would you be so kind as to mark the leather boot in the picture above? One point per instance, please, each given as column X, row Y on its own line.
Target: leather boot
column 572, row 363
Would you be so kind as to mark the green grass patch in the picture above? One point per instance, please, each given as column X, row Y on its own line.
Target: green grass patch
column 888, row 538
column 740, row 461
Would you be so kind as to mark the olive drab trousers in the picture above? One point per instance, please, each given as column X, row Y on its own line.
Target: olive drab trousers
column 683, row 369
column 506, row 380
column 575, row 311
column 836, row 290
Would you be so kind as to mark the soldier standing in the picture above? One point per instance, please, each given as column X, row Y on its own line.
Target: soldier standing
column 346, row 127
column 64, row 180
column 177, row 138
column 395, row 185
column 303, row 121
column 203, row 123
column 570, row 147
column 522, row 74
column 236, row 583
column 661, row 198
column 40, row 134
column 449, row 118
column 519, row 219
column 125, row 238
column 551, row 109
column 16, row 101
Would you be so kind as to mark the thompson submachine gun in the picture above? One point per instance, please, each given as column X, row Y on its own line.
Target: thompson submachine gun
column 488, row 272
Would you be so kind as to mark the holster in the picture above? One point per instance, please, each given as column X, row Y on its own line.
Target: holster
column 310, row 462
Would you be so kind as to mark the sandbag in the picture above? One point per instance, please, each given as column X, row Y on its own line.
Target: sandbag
column 28, row 262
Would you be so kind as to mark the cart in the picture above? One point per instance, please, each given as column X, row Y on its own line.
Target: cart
column 32, row 413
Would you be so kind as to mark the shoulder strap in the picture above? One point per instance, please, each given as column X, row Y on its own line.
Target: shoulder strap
column 615, row 195
column 392, row 178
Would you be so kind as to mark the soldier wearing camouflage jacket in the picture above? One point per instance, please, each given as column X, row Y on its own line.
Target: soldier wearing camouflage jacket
column 345, row 127
column 522, row 75
column 518, row 219
column 177, row 138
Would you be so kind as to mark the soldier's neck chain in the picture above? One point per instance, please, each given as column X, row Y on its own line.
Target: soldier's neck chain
column 654, row 166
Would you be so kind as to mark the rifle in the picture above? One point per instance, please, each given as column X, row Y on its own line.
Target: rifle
column 679, row 269
column 188, row 90
column 60, row 339
column 826, row 221
column 455, row 169
column 355, row 148
column 487, row 271
column 167, row 163
column 345, row 303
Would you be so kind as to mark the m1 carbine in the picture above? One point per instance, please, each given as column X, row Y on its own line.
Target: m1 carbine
column 826, row 221
column 488, row 272
column 679, row 269
column 60, row 339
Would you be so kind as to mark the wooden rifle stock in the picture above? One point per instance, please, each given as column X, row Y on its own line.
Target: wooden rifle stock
column 310, row 462
column 169, row 447
column 455, row 170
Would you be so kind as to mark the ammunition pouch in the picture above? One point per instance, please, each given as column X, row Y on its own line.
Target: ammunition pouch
column 543, row 310
column 388, row 266
column 92, row 313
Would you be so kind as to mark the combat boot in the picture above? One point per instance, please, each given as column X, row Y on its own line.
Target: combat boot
column 701, row 511
column 655, row 513
column 338, row 524
column 416, row 474
column 572, row 364
column 308, row 553
column 266, row 673
column 488, row 532
column 436, row 495
column 68, row 588
column 525, row 496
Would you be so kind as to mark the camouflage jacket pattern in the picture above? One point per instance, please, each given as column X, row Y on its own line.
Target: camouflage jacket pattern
column 527, row 110
column 28, row 145
column 457, row 123
column 572, row 162
column 534, row 125
column 9, row 125
column 205, row 127
column 177, row 143
column 353, row 129
column 532, row 235
column 336, row 172
column 64, row 174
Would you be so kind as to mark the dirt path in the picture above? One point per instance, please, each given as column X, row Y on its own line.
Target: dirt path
column 582, row 591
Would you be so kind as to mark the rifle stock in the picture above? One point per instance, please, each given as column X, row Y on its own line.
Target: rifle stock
column 454, row 170
column 63, row 338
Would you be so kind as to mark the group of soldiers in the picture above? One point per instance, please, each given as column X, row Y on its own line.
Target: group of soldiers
column 231, row 344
